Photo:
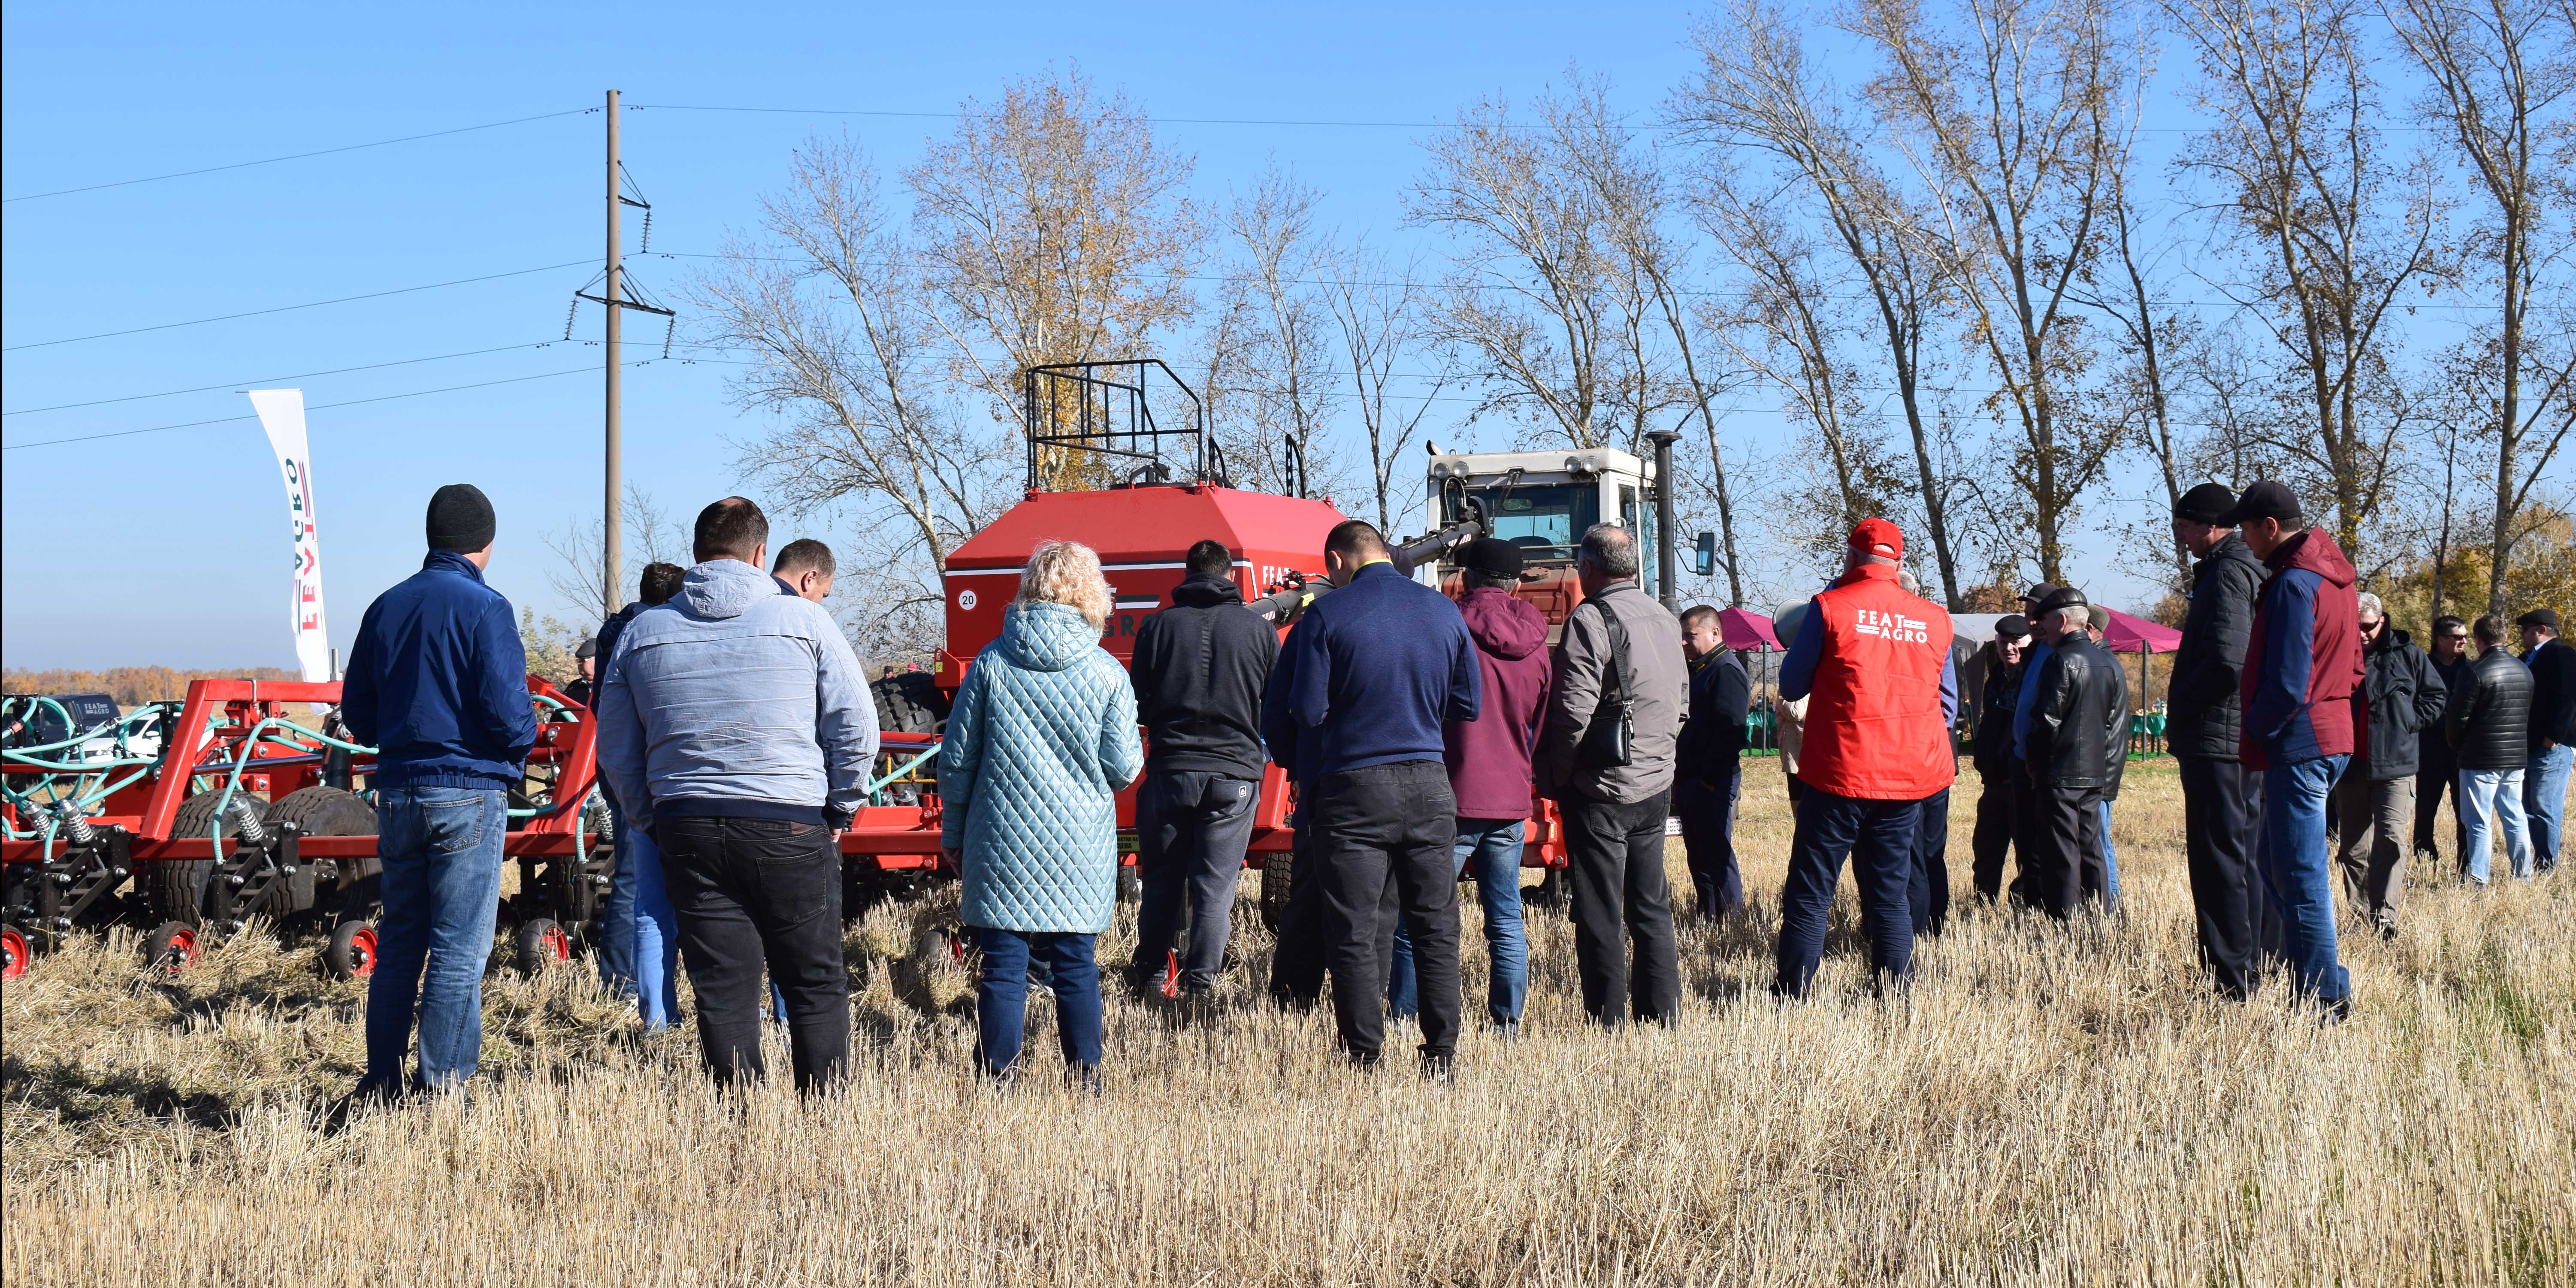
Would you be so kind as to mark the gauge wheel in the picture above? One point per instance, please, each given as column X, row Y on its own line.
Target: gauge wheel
column 351, row 954
column 542, row 943
column 171, row 947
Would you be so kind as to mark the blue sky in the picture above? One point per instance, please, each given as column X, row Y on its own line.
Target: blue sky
column 167, row 547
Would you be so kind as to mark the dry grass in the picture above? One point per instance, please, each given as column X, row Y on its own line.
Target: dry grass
column 2047, row 1104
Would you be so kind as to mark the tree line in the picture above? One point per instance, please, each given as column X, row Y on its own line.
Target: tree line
column 1961, row 263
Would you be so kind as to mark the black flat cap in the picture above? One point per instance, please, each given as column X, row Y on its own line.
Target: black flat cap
column 589, row 648
column 2063, row 597
column 460, row 519
column 2265, row 500
column 2039, row 592
column 2203, row 504
column 1492, row 556
column 2539, row 617
column 2012, row 626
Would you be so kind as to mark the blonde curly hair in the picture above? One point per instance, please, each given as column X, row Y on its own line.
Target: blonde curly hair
column 1067, row 572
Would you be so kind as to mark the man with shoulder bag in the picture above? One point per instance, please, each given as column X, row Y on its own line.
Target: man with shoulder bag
column 1615, row 713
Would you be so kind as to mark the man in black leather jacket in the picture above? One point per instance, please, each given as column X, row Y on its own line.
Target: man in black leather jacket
column 1992, row 753
column 2077, row 749
column 2222, row 801
column 2374, row 806
column 2489, row 721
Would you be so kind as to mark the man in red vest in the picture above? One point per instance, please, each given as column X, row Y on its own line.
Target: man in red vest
column 1874, row 664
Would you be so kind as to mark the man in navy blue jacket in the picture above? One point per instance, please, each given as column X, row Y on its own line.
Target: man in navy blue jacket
column 438, row 684
column 1374, row 668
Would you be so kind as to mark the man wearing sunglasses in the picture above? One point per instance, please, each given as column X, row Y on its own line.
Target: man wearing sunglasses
column 2437, row 768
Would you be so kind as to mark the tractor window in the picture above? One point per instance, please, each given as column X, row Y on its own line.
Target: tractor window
column 1545, row 520
column 1640, row 523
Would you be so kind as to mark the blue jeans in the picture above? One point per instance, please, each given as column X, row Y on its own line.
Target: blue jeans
column 1491, row 848
column 1002, row 996
column 441, row 850
column 2544, row 801
column 2491, row 803
column 1878, row 836
column 2297, row 866
column 2110, row 861
column 639, row 937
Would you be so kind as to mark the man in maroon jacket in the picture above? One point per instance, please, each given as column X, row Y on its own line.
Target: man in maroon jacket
column 2301, row 668
column 1489, row 771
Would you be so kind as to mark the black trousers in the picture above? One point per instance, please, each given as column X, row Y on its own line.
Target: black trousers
column 1297, row 964
column 2431, row 782
column 2069, row 867
column 755, row 890
column 1191, row 828
column 1927, row 891
column 1615, row 860
column 1384, row 846
column 1992, row 841
column 1707, row 813
column 2222, row 815
column 2030, row 836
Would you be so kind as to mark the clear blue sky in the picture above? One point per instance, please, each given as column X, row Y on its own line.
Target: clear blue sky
column 169, row 547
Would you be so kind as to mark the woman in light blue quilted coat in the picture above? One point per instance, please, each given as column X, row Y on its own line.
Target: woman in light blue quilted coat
column 1040, row 739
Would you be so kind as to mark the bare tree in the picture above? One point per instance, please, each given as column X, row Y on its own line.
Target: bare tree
column 2004, row 108
column 1052, row 229
column 2501, row 71
column 2147, row 337
column 652, row 536
column 1527, row 306
column 1754, row 91
column 1380, row 318
column 1286, row 368
column 842, row 338
column 2331, row 250
column 1633, row 195
column 1782, row 329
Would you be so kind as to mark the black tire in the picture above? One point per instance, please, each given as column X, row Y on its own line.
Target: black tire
column 171, row 947
column 1277, row 867
column 542, row 943
column 174, row 890
column 329, row 811
column 909, row 702
column 351, row 954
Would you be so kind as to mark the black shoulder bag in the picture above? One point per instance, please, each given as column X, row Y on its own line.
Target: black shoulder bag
column 1613, row 730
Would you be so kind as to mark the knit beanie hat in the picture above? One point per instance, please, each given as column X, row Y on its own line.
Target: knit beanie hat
column 460, row 519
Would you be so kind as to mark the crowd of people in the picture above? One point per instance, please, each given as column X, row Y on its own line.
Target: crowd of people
column 737, row 735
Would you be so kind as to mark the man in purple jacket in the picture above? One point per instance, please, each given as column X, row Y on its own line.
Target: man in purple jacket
column 1489, row 771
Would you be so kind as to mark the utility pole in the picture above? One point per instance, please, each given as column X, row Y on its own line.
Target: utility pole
column 613, row 537
column 613, row 296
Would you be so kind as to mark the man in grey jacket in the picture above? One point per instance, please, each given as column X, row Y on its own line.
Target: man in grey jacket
column 2401, row 694
column 1620, row 648
column 735, row 729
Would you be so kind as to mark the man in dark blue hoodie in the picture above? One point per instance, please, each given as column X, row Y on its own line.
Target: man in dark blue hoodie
column 438, row 683
column 1375, row 668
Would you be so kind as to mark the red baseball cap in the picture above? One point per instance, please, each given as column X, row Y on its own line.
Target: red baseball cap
column 1878, row 537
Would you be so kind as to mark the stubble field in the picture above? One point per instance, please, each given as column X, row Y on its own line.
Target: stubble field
column 2057, row 1104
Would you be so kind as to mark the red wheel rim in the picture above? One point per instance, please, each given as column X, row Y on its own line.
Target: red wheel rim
column 1171, row 975
column 183, row 950
column 362, row 953
column 13, row 954
column 956, row 949
column 558, row 945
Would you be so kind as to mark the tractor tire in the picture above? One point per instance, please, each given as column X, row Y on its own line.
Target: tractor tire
column 170, row 948
column 174, row 890
column 329, row 811
column 351, row 954
column 910, row 702
column 1277, row 868
column 542, row 943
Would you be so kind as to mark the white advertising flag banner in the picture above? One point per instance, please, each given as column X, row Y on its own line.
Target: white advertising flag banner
column 281, row 413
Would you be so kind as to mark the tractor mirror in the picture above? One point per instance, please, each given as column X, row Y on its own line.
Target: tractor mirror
column 1707, row 553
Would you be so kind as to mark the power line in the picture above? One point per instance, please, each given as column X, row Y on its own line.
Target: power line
column 1158, row 120
column 263, row 380
column 299, row 156
column 289, row 308
column 352, row 402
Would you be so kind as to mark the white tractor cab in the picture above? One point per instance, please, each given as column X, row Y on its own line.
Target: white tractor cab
column 1542, row 502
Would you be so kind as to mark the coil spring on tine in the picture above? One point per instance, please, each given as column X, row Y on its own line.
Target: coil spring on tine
column 75, row 825
column 247, row 824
